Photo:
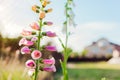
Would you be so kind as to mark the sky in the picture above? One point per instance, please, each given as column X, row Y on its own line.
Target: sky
column 95, row 19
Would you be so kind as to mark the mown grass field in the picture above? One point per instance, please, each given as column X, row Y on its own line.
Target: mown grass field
column 93, row 71
column 77, row 71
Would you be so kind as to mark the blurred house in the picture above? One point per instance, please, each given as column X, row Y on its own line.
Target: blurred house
column 115, row 57
column 101, row 48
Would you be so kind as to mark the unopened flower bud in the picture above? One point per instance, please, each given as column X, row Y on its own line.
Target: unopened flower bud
column 44, row 3
column 48, row 23
column 42, row 15
column 35, row 8
column 49, row 10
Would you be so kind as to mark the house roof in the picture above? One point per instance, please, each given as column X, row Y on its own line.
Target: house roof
column 116, row 46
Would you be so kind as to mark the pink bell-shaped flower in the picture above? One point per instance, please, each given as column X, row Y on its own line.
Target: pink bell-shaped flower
column 25, row 50
column 51, row 48
column 35, row 26
column 49, row 61
column 26, row 33
column 30, row 64
column 50, row 34
column 51, row 68
column 25, row 42
column 22, row 41
column 36, row 54
column 34, row 39
column 29, row 43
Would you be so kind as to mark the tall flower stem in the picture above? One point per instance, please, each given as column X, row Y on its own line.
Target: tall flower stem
column 64, row 63
column 39, row 48
column 66, row 46
column 66, row 52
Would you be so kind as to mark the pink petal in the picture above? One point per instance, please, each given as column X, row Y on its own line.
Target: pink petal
column 26, row 33
column 50, row 68
column 29, row 43
column 34, row 39
column 50, row 34
column 51, row 48
column 35, row 26
column 30, row 64
column 25, row 49
column 49, row 61
column 48, row 23
column 22, row 41
column 36, row 54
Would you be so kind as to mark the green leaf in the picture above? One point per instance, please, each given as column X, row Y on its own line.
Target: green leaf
column 65, row 23
column 68, row 15
column 69, row 8
column 37, row 11
column 66, row 5
column 61, row 42
column 62, row 65
column 69, row 51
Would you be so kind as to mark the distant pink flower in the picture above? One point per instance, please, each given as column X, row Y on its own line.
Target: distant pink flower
column 29, row 43
column 22, row 41
column 25, row 42
column 26, row 33
column 48, row 23
column 31, row 72
column 50, row 68
column 49, row 61
column 30, row 64
column 25, row 50
column 50, row 34
column 36, row 54
column 34, row 38
column 35, row 26
column 51, row 48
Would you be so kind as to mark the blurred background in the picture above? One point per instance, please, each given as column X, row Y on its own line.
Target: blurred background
column 94, row 42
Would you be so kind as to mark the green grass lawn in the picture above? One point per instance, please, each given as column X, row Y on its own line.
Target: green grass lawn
column 92, row 71
column 93, row 74
column 77, row 71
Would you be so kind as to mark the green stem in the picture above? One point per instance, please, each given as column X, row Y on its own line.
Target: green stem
column 65, row 47
column 65, row 72
column 36, row 70
column 66, row 42
column 39, row 48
